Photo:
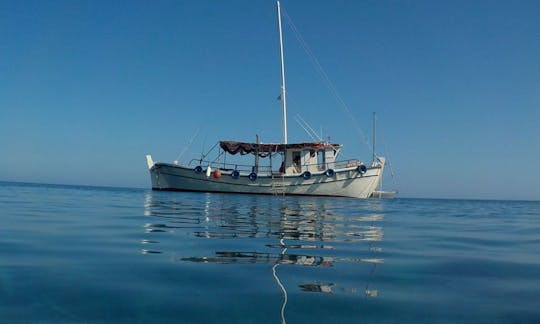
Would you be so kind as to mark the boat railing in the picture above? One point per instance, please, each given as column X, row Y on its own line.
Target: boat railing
column 269, row 170
column 242, row 168
column 351, row 163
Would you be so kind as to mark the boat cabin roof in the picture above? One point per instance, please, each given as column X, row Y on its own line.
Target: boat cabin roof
column 233, row 147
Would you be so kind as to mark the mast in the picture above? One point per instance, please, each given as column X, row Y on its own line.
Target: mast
column 283, row 96
column 256, row 168
column 374, row 132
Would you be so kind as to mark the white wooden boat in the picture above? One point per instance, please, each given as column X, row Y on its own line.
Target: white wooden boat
column 300, row 174
column 311, row 168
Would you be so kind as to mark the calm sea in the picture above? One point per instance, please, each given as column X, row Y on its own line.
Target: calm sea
column 83, row 254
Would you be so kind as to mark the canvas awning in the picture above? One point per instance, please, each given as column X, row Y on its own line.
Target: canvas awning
column 233, row 147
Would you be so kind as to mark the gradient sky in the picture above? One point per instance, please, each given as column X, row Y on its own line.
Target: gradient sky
column 87, row 88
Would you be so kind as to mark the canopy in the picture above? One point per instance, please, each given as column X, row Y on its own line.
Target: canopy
column 233, row 147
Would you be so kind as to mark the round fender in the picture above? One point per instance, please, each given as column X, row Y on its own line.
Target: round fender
column 253, row 176
column 330, row 173
column 306, row 175
column 198, row 169
column 362, row 169
column 235, row 174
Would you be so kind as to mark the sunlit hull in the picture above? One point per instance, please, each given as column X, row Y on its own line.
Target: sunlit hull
column 347, row 182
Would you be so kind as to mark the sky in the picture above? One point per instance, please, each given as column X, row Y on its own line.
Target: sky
column 88, row 88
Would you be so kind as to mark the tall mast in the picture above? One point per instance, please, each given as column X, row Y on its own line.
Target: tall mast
column 283, row 96
column 374, row 132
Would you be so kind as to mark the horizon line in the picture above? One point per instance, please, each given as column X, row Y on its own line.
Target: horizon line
column 142, row 188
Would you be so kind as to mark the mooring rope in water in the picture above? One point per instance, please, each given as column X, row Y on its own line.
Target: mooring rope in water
column 283, row 321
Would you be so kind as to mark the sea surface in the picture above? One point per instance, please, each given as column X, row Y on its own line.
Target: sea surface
column 104, row 255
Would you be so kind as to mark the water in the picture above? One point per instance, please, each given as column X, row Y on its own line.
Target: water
column 82, row 254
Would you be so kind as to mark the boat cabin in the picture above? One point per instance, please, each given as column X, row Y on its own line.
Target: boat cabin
column 298, row 157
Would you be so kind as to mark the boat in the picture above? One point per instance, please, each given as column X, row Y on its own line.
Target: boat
column 307, row 168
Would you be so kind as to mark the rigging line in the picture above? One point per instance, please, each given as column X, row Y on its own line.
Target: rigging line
column 305, row 125
column 202, row 147
column 209, row 151
column 304, row 128
column 392, row 174
column 315, row 136
column 324, row 76
column 309, row 127
column 220, row 153
column 189, row 144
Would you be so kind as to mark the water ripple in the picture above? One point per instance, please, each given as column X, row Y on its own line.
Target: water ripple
column 82, row 254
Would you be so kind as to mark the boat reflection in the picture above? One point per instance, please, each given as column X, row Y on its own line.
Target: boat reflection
column 305, row 232
column 291, row 259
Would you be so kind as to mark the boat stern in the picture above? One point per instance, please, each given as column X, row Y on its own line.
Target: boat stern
column 149, row 162
column 154, row 172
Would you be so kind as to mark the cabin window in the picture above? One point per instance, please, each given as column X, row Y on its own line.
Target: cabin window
column 296, row 158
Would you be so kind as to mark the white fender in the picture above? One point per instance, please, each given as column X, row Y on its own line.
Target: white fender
column 208, row 172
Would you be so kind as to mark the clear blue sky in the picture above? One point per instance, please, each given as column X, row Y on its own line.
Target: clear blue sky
column 87, row 88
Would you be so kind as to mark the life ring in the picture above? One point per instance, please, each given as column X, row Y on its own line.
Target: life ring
column 253, row 176
column 235, row 174
column 362, row 169
column 306, row 175
column 198, row 169
column 330, row 173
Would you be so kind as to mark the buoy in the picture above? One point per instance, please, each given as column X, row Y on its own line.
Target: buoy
column 217, row 174
column 198, row 169
column 208, row 171
column 306, row 175
column 253, row 176
column 235, row 174
column 330, row 173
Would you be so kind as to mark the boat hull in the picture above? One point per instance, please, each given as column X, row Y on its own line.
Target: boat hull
column 344, row 183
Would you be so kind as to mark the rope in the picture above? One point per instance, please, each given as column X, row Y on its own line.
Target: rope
column 283, row 291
